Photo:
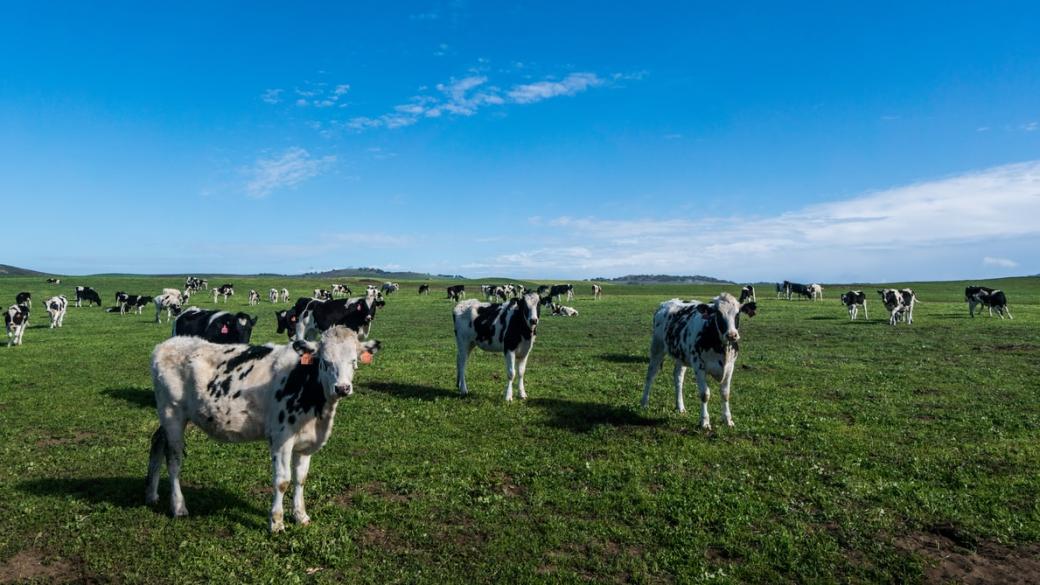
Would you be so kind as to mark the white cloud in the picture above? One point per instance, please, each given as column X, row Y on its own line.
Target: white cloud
column 289, row 169
column 1030, row 127
column 903, row 228
column 542, row 90
column 999, row 262
column 271, row 96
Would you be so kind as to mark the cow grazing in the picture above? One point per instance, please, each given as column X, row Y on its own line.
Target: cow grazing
column 323, row 294
column 457, row 292
column 53, row 281
column 284, row 394
column 341, row 289
column 87, row 294
column 597, row 292
column 215, row 326
column 135, row 303
column 563, row 311
column 195, row 284
column 318, row 316
column 23, row 298
column 815, row 292
column 747, row 294
column 224, row 290
column 508, row 328
column 254, row 297
column 424, row 289
column 272, row 295
column 995, row 299
column 971, row 295
column 793, row 288
column 284, row 295
column 16, row 319
column 853, row 300
column 558, row 290
column 390, row 288
column 702, row 336
column 56, row 307
column 169, row 303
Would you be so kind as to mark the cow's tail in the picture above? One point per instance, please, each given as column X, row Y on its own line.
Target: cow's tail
column 159, row 451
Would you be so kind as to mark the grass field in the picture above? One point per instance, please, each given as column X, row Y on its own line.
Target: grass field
column 861, row 452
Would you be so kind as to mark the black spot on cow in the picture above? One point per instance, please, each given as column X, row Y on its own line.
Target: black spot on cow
column 281, row 416
column 292, row 419
column 237, row 394
column 517, row 329
column 253, row 352
column 244, row 373
column 484, row 323
column 303, row 391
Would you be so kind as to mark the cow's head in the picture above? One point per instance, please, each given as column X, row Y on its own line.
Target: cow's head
column 725, row 311
column 529, row 306
column 338, row 356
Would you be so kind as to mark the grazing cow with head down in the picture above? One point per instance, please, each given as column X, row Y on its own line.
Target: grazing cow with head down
column 457, row 292
column 390, row 288
column 284, row 394
column 702, row 336
column 215, row 326
column 16, row 319
column 853, row 300
column 53, row 281
column 597, row 291
column 747, row 294
column 815, row 292
column 23, row 298
column 134, row 303
column 508, row 328
column 85, row 293
column 995, row 299
column 56, row 307
column 169, row 303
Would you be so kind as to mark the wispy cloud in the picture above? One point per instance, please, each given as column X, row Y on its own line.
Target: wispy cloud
column 904, row 227
column 316, row 95
column 999, row 262
column 271, row 96
column 542, row 90
column 290, row 168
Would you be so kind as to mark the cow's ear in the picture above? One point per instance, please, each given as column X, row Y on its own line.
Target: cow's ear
column 303, row 347
column 749, row 309
column 254, row 319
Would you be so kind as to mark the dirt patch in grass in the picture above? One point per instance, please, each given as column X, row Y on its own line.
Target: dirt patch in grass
column 953, row 557
column 507, row 486
column 75, row 438
column 376, row 489
column 34, row 565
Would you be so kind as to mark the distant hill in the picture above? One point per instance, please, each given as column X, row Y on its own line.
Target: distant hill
column 6, row 270
column 377, row 273
column 663, row 279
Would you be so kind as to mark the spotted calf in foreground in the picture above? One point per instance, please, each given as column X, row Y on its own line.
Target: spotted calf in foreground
column 16, row 319
column 508, row 328
column 284, row 394
column 702, row 336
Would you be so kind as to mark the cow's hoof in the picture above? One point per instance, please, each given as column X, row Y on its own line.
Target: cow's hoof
column 730, row 424
column 180, row 513
column 151, row 500
column 706, row 426
column 277, row 527
column 302, row 519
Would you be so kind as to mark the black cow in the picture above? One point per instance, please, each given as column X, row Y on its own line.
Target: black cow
column 558, row 290
column 356, row 314
column 424, row 289
column 793, row 288
column 995, row 299
column 23, row 298
column 215, row 326
column 971, row 294
column 457, row 292
column 85, row 293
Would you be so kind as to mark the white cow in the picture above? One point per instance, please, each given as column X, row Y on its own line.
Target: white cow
column 816, row 291
column 272, row 295
column 597, row 292
column 508, row 328
column 254, row 297
column 702, row 336
column 284, row 296
column 284, row 394
column 56, row 307
column 169, row 303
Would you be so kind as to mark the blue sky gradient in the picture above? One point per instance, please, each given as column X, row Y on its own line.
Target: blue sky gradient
column 841, row 142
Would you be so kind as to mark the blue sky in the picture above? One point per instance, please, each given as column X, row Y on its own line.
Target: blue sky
column 838, row 142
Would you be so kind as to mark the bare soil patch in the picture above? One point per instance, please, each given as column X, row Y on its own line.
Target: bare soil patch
column 952, row 557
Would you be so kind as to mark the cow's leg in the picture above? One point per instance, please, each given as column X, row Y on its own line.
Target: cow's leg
column 1008, row 311
column 521, row 367
column 510, row 373
column 464, row 349
column 866, row 317
column 724, row 391
column 656, row 359
column 301, row 464
column 705, row 393
column 173, row 428
column 678, row 375
column 281, row 456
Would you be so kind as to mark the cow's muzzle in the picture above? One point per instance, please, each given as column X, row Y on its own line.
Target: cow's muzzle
column 344, row 389
column 732, row 336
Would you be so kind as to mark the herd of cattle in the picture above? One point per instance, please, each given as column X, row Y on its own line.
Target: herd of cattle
column 207, row 374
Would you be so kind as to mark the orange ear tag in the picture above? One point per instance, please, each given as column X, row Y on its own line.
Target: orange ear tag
column 366, row 357
column 306, row 359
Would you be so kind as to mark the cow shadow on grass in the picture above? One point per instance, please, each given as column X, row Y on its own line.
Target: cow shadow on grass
column 620, row 358
column 128, row 492
column 141, row 397
column 582, row 417
column 411, row 391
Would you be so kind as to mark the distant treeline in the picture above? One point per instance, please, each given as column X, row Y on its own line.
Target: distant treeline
column 663, row 279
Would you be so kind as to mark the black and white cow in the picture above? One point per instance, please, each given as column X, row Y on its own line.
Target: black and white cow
column 284, row 394
column 424, row 289
column 597, row 292
column 215, row 326
column 196, row 284
column 562, row 310
column 254, row 297
column 896, row 305
column 815, row 291
column 702, row 336
column 135, row 303
column 558, row 290
column 802, row 290
column 56, row 307
column 85, row 293
column 747, row 293
column 543, row 291
column 508, row 328
column 283, row 296
column 16, row 319
column 356, row 314
column 488, row 290
column 457, row 292
column 169, row 303
column 23, row 298
column 971, row 295
column 995, row 299
column 120, row 297
column 272, row 295
column 323, row 294
column 853, row 300
column 341, row 289
column 782, row 290
column 224, row 290
column 390, row 288
column 53, row 281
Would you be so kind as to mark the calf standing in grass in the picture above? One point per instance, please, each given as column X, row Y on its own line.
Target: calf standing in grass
column 702, row 336
column 853, row 300
column 16, row 319
column 747, row 293
column 254, row 297
column 285, row 394
column 56, row 307
column 597, row 292
column 508, row 328
column 995, row 299
column 899, row 304
column 284, row 295
column 169, row 303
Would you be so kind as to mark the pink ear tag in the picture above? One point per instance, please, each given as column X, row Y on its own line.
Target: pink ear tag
column 223, row 330
column 359, row 306
column 366, row 357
